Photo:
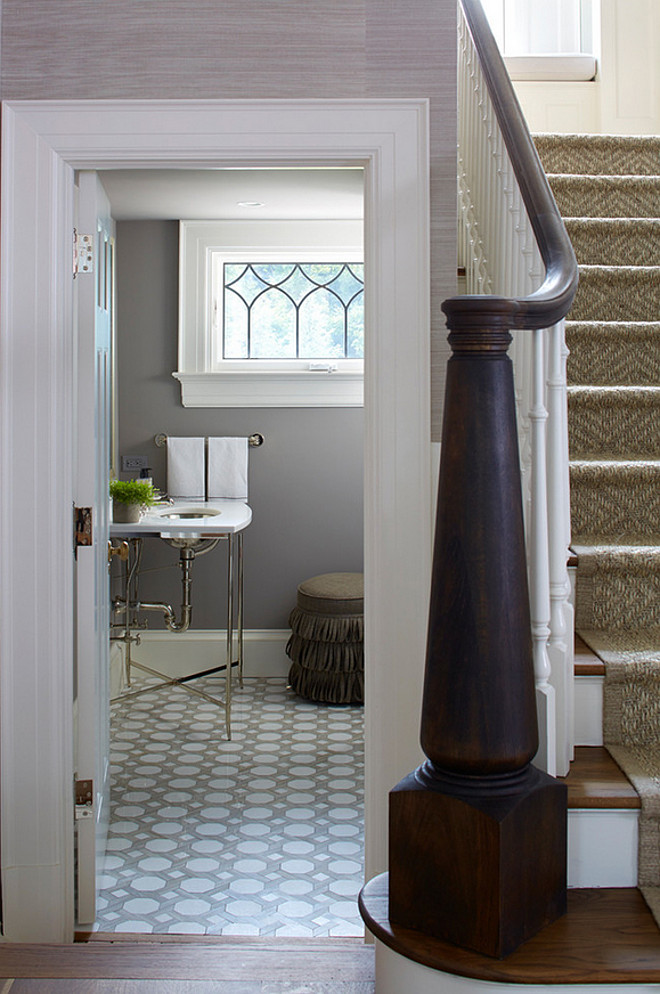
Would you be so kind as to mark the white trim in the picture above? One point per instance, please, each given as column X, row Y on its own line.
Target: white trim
column 42, row 143
column 555, row 67
column 196, row 650
column 269, row 388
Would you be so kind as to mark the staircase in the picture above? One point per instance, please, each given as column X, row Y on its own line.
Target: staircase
column 608, row 191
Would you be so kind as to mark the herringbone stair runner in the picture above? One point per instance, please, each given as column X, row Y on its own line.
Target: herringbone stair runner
column 608, row 190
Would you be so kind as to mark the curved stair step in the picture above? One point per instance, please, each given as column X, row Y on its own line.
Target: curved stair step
column 614, row 422
column 617, row 293
column 608, row 936
column 613, row 353
column 605, row 196
column 615, row 241
column 599, row 155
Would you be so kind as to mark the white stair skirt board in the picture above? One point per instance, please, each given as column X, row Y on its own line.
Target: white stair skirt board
column 201, row 649
column 395, row 973
column 602, row 847
column 589, row 710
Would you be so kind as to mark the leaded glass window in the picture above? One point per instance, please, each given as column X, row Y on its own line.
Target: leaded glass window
column 297, row 310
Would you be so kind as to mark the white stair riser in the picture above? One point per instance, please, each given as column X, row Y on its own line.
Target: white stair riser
column 395, row 973
column 589, row 710
column 602, row 847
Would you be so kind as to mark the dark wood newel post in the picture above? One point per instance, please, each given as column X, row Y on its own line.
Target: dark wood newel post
column 477, row 834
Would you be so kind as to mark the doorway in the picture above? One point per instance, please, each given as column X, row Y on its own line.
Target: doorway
column 42, row 145
column 207, row 836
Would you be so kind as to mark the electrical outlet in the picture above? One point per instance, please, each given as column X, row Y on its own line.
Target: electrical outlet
column 133, row 462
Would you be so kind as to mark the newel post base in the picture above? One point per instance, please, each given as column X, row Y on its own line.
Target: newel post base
column 471, row 867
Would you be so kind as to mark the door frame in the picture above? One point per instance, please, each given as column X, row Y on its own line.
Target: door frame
column 43, row 143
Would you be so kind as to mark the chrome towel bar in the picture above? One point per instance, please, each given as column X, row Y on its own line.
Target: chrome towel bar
column 254, row 440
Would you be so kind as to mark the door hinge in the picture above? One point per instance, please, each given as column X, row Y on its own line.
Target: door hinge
column 84, row 795
column 83, row 253
column 82, row 527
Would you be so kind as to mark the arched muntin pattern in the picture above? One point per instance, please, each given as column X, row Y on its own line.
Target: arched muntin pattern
column 254, row 283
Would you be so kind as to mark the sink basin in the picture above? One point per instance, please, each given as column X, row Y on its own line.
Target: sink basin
column 188, row 514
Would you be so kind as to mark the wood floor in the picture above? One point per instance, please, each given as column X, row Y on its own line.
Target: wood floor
column 179, row 966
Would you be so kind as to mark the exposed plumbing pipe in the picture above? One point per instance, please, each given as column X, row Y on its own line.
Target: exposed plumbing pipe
column 187, row 555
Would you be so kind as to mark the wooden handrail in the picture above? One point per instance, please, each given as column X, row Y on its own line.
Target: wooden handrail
column 553, row 299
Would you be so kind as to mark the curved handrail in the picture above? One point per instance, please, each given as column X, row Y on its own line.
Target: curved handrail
column 553, row 299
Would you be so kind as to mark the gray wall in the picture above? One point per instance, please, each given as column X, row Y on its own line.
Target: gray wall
column 305, row 481
column 80, row 49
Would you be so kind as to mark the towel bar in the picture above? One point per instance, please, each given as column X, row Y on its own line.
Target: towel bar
column 254, row 441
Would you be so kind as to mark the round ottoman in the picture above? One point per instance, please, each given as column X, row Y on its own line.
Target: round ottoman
column 326, row 644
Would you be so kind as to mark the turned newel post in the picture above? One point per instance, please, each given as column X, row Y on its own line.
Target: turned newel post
column 479, row 710
column 477, row 834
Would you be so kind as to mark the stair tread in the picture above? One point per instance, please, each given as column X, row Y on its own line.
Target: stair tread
column 586, row 662
column 608, row 936
column 595, row 781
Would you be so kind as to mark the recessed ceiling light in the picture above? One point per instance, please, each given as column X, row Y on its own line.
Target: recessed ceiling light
column 250, row 203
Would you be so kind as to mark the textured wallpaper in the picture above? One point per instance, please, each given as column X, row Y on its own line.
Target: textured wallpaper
column 78, row 49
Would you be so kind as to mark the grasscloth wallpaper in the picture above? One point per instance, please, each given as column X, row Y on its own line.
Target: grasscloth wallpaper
column 78, row 49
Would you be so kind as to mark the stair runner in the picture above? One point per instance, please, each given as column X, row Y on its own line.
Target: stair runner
column 608, row 191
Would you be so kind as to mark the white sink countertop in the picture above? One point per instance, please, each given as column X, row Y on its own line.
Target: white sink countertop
column 182, row 520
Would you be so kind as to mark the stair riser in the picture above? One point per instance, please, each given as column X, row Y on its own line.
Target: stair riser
column 602, row 847
column 615, row 243
column 613, row 354
column 614, row 426
column 600, row 155
column 617, row 295
column 606, row 196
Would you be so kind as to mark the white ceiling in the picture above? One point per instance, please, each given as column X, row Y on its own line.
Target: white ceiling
column 214, row 194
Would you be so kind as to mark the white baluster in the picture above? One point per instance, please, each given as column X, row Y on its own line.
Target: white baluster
column 560, row 643
column 539, row 572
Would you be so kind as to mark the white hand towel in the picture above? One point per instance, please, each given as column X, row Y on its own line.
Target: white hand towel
column 185, row 468
column 228, row 468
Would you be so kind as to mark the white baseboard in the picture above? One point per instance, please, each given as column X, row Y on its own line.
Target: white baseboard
column 197, row 650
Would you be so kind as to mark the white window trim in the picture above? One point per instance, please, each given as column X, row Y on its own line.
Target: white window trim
column 244, row 383
column 576, row 68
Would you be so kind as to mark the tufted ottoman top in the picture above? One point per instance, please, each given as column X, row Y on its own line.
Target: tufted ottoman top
column 332, row 593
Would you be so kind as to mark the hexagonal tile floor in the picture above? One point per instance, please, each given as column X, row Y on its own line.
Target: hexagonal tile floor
column 261, row 835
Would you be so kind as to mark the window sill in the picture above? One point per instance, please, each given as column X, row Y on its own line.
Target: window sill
column 576, row 68
column 271, row 389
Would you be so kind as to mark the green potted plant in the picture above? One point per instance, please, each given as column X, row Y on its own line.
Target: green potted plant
column 129, row 498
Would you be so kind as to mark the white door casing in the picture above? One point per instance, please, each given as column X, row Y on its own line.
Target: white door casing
column 42, row 143
column 94, row 308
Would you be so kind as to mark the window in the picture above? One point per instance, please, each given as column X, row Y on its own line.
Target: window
column 544, row 39
column 291, row 310
column 273, row 319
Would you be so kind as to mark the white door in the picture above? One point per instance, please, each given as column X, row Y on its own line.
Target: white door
column 94, row 298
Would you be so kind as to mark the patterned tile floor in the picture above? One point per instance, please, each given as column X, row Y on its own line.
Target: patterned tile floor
column 261, row 835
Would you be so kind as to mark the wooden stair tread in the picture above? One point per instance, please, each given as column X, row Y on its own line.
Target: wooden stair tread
column 586, row 662
column 608, row 936
column 595, row 781
column 284, row 961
